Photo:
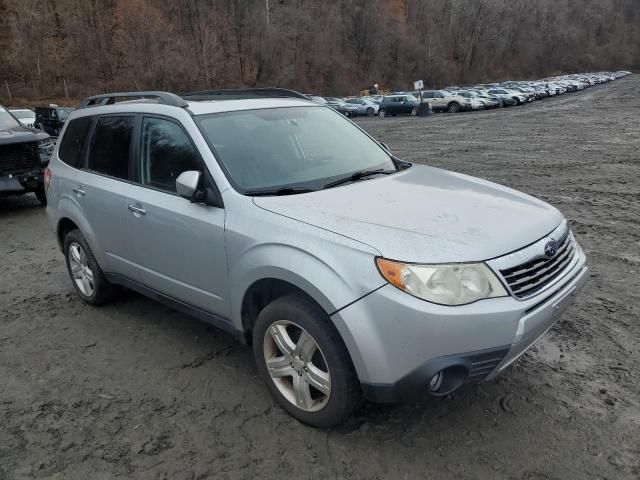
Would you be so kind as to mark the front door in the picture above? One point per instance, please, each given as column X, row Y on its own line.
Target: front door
column 179, row 246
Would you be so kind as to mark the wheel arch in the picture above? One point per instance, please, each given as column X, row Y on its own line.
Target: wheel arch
column 264, row 291
column 69, row 216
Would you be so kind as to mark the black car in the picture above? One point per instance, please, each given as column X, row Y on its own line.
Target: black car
column 51, row 119
column 402, row 104
column 341, row 106
column 24, row 156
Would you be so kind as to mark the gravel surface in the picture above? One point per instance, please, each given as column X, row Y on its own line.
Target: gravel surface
column 135, row 390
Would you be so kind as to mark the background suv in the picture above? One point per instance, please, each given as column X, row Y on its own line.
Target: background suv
column 444, row 101
column 349, row 271
column 24, row 155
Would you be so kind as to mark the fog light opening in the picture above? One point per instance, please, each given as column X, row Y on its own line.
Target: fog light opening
column 436, row 382
column 447, row 380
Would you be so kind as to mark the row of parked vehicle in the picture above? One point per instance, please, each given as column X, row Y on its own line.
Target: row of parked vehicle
column 455, row 99
column 49, row 119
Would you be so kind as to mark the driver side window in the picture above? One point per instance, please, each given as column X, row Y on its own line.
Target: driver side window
column 165, row 152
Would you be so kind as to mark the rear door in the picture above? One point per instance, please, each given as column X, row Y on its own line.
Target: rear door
column 101, row 191
column 179, row 245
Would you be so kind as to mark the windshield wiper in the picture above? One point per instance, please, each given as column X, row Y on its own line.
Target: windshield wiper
column 359, row 175
column 277, row 192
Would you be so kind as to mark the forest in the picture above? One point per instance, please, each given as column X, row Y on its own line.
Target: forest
column 57, row 49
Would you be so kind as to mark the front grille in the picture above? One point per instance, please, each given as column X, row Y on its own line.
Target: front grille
column 530, row 277
column 18, row 157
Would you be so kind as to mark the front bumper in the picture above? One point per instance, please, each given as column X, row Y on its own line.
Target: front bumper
column 21, row 183
column 398, row 342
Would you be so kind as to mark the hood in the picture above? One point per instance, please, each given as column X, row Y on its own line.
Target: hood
column 425, row 215
column 20, row 134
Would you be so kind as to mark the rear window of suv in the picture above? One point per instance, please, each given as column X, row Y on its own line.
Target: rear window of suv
column 111, row 146
column 73, row 140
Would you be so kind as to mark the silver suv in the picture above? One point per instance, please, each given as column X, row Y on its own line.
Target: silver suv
column 351, row 273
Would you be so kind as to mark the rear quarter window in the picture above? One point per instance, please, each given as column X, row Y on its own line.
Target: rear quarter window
column 73, row 140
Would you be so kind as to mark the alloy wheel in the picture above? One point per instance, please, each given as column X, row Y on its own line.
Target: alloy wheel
column 297, row 366
column 80, row 270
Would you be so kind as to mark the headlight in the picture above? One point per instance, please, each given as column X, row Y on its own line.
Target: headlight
column 45, row 149
column 447, row 284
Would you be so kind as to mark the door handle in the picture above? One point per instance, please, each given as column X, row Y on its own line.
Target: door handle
column 79, row 192
column 136, row 210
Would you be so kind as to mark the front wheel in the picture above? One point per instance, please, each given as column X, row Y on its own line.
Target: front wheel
column 40, row 194
column 304, row 362
column 370, row 112
column 414, row 111
column 453, row 108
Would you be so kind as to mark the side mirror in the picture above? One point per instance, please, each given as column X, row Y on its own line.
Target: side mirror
column 187, row 184
column 385, row 146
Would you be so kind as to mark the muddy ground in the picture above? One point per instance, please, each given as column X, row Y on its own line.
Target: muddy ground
column 135, row 390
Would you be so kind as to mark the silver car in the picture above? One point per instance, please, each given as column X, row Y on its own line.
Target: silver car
column 350, row 272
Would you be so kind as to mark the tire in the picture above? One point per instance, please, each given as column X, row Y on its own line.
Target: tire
column 40, row 194
column 414, row 111
column 517, row 100
column 77, row 253
column 346, row 114
column 290, row 317
column 370, row 112
column 453, row 107
column 382, row 113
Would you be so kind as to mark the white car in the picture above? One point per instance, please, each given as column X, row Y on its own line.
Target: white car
column 25, row 116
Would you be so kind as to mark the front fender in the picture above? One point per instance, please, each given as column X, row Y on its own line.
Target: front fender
column 333, row 281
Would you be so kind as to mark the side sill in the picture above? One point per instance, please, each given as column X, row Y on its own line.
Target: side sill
column 195, row 312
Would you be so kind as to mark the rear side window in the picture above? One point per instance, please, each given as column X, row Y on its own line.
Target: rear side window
column 111, row 146
column 73, row 140
column 166, row 152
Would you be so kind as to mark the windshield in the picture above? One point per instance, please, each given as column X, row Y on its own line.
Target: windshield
column 6, row 120
column 305, row 147
column 63, row 113
column 20, row 114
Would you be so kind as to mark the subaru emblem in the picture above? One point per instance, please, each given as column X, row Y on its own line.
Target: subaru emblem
column 551, row 248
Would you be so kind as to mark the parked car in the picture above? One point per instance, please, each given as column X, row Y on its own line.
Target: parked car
column 25, row 116
column 341, row 106
column 509, row 97
column 51, row 119
column 444, row 101
column 349, row 271
column 364, row 106
column 24, row 155
column 476, row 102
column 399, row 104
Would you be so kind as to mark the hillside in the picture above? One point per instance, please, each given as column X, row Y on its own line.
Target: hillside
column 74, row 47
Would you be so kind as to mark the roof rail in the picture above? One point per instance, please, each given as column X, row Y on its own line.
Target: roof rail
column 240, row 93
column 165, row 98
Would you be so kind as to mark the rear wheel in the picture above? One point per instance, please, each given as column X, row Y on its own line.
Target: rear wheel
column 87, row 276
column 382, row 113
column 414, row 111
column 305, row 363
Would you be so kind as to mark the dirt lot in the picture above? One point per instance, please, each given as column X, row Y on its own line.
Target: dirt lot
column 135, row 390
